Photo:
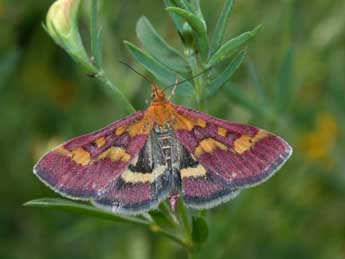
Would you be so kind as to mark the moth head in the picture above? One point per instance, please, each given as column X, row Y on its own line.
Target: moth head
column 157, row 94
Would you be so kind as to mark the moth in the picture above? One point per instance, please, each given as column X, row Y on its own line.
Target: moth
column 133, row 164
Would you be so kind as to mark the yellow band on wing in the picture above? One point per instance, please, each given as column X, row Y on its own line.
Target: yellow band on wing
column 138, row 177
column 208, row 146
column 198, row 171
column 115, row 154
column 78, row 155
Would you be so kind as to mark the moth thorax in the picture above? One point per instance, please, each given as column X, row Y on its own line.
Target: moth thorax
column 162, row 129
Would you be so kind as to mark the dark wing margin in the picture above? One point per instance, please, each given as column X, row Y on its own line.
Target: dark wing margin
column 231, row 156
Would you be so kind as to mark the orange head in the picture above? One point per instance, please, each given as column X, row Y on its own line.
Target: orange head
column 161, row 111
column 158, row 95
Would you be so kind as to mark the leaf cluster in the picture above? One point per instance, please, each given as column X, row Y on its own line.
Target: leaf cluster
column 201, row 54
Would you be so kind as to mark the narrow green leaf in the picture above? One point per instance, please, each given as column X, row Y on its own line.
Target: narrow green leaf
column 83, row 209
column 199, row 230
column 164, row 75
column 192, row 6
column 159, row 48
column 232, row 46
column 194, row 21
column 184, row 5
column 197, row 9
column 198, row 26
column 183, row 215
column 259, row 89
column 177, row 20
column 219, row 31
column 284, row 87
column 222, row 78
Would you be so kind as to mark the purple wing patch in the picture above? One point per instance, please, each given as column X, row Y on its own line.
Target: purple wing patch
column 84, row 167
column 231, row 156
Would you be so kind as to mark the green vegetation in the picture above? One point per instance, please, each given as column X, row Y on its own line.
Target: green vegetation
column 288, row 79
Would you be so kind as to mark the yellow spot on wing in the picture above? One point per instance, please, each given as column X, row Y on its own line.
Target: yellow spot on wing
column 81, row 156
column 78, row 155
column 188, row 123
column 208, row 146
column 115, row 154
column 222, row 132
column 138, row 177
column 120, row 130
column 137, row 128
column 193, row 171
column 64, row 152
column 100, row 142
column 246, row 142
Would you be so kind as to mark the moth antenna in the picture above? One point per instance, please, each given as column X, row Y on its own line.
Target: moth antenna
column 185, row 80
column 154, row 88
column 135, row 71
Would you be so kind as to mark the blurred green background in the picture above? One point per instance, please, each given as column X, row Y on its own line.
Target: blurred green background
column 45, row 98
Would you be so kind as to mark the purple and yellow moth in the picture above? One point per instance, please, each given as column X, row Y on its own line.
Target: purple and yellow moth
column 133, row 164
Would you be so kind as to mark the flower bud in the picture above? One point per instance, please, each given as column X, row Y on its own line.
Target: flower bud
column 61, row 18
column 62, row 26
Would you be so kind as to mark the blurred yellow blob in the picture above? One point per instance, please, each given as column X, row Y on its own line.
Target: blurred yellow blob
column 317, row 144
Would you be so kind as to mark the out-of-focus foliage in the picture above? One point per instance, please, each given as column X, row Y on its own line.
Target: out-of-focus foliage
column 292, row 82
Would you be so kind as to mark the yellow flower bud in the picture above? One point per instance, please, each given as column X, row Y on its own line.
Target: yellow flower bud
column 62, row 26
column 61, row 18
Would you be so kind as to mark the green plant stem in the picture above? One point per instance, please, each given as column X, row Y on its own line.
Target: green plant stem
column 90, row 68
column 95, row 44
column 110, row 85
column 96, row 61
column 175, row 238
